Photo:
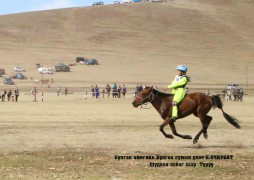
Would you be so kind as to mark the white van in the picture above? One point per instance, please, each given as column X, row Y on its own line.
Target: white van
column 44, row 70
column 127, row 1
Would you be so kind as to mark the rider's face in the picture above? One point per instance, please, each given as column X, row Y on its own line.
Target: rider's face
column 179, row 73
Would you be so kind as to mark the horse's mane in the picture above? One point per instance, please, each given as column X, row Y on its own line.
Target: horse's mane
column 155, row 91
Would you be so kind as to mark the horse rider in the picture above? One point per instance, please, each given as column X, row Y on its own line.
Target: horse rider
column 178, row 86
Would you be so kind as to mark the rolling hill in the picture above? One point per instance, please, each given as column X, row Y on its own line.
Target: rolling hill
column 138, row 42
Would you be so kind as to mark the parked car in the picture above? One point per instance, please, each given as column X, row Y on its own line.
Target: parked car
column 127, row 1
column 79, row 59
column 8, row 80
column 18, row 69
column 61, row 67
column 2, row 71
column 156, row 0
column 98, row 3
column 19, row 76
column 44, row 70
column 37, row 65
column 233, row 86
column 91, row 62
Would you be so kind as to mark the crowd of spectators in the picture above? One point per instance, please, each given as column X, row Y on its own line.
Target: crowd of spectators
column 114, row 91
column 10, row 95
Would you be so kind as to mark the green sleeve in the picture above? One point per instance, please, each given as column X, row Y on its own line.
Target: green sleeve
column 175, row 84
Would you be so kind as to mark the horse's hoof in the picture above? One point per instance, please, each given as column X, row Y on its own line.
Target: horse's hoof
column 170, row 136
column 195, row 141
column 205, row 135
column 187, row 137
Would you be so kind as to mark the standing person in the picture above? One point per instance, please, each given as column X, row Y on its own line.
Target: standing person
column 16, row 92
column 34, row 93
column 119, row 91
column 58, row 90
column 136, row 90
column 241, row 93
column 108, row 89
column 3, row 95
column 9, row 95
column 103, row 93
column 178, row 85
column 187, row 91
column 114, row 91
column 86, row 95
column 124, row 90
column 97, row 93
column 207, row 92
column 140, row 88
column 92, row 91
column 66, row 91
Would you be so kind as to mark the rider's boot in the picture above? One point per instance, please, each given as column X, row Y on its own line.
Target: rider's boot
column 173, row 119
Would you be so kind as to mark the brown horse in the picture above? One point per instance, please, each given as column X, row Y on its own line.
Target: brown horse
column 197, row 103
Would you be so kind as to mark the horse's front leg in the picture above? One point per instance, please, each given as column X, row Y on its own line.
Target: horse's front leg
column 166, row 122
column 173, row 128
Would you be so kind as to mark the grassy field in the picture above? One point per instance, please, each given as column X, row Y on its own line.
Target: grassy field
column 70, row 137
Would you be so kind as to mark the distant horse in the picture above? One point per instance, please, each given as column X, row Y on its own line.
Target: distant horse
column 238, row 94
column 229, row 95
column 197, row 103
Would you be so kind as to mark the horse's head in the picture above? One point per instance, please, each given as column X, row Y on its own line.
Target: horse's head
column 145, row 96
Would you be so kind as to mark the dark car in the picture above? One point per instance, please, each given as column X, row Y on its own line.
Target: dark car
column 37, row 65
column 233, row 86
column 61, row 67
column 91, row 62
column 98, row 3
column 2, row 72
column 79, row 59
column 8, row 80
column 19, row 76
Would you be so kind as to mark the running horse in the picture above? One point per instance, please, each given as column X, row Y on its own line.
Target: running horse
column 196, row 103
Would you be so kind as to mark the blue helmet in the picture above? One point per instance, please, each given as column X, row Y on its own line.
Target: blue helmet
column 182, row 68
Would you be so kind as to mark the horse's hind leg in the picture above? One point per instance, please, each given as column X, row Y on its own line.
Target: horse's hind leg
column 173, row 128
column 205, row 120
column 208, row 119
column 197, row 136
column 202, row 119
column 166, row 122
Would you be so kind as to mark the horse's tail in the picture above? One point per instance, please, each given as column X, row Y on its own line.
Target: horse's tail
column 218, row 103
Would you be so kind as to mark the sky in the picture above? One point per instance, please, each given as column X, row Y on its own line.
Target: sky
column 18, row 6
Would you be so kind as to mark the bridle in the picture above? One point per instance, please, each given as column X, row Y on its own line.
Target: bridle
column 150, row 98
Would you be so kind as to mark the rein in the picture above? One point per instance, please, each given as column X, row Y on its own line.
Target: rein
column 141, row 107
column 151, row 97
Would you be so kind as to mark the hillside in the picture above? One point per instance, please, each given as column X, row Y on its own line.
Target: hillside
column 141, row 42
